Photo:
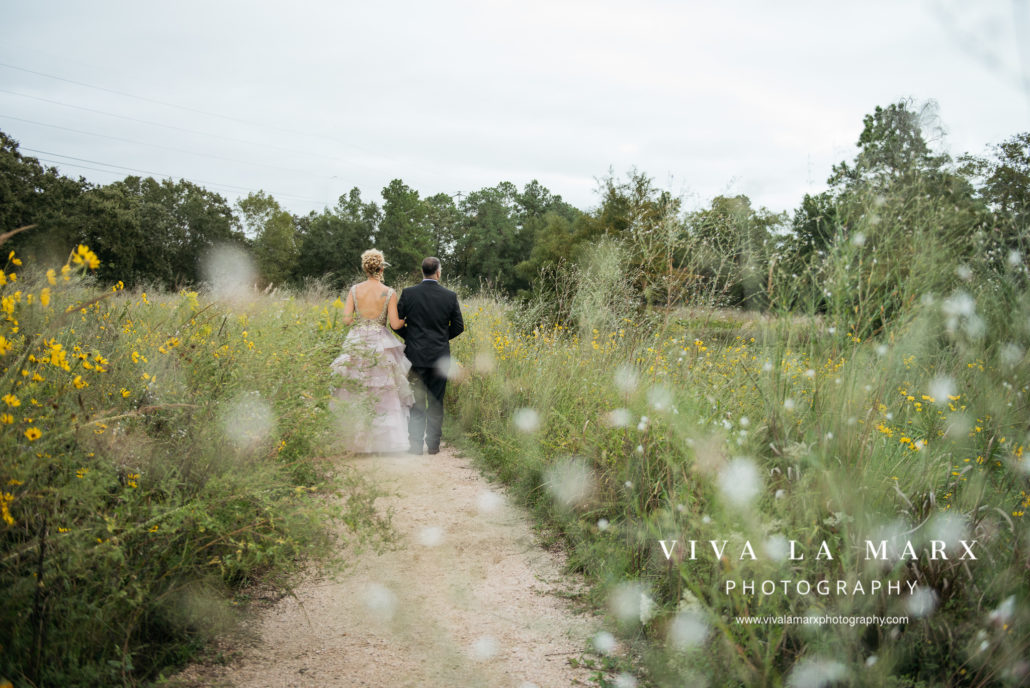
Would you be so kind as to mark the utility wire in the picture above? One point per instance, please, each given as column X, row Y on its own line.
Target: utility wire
column 262, row 144
column 189, row 109
column 151, row 173
column 157, row 145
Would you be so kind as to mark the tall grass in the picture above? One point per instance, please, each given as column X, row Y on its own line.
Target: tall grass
column 889, row 405
column 159, row 452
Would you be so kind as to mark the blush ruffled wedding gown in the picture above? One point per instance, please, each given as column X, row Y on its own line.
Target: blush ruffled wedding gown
column 373, row 396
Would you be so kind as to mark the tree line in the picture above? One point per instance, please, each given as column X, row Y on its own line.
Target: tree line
column 896, row 191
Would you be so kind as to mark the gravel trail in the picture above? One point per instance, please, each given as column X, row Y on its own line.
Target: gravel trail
column 468, row 598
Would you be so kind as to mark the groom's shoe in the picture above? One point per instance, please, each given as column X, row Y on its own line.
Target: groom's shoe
column 433, row 450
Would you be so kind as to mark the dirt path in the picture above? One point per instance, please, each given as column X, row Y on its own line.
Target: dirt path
column 467, row 599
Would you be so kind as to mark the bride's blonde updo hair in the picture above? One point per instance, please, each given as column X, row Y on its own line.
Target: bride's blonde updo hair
column 373, row 262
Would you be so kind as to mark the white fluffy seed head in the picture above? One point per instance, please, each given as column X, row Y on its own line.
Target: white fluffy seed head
column 740, row 481
column 527, row 420
column 604, row 642
column 484, row 648
column 625, row 680
column 816, row 673
column 626, row 379
column 687, row 630
column 777, row 547
column 247, row 420
column 448, row 367
column 620, row 418
column 922, row 602
column 230, row 272
column 569, row 481
column 659, row 398
column 484, row 362
column 950, row 528
column 380, row 601
column 1011, row 354
column 430, row 536
column 941, row 387
column 630, row 603
column 489, row 501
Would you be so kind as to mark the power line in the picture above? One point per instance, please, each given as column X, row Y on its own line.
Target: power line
column 263, row 144
column 151, row 173
column 188, row 109
column 155, row 145
column 123, row 93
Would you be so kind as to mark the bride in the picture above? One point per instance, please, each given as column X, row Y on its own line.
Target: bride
column 374, row 392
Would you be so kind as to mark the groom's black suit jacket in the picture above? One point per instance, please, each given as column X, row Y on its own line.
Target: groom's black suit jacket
column 433, row 319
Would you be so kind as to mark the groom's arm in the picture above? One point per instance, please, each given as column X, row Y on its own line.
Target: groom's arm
column 457, row 325
column 401, row 313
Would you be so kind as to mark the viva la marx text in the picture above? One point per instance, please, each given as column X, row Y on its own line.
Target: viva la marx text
column 876, row 551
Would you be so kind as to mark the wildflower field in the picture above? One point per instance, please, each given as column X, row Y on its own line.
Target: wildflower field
column 779, row 498
column 858, row 493
column 783, row 450
column 159, row 453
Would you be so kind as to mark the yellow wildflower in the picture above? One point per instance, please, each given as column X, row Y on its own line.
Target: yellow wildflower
column 83, row 256
column 5, row 512
column 33, row 434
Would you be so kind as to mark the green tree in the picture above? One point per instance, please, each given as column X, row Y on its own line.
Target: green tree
column 1003, row 185
column 646, row 219
column 732, row 249
column 553, row 238
column 404, row 232
column 814, row 226
column 31, row 194
column 891, row 148
column 114, row 230
column 143, row 229
column 331, row 242
column 895, row 224
column 276, row 242
column 491, row 241
column 443, row 221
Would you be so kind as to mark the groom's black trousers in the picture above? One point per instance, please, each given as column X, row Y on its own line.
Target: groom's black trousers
column 426, row 419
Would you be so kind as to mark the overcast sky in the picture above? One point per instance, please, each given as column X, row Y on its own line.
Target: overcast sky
column 308, row 99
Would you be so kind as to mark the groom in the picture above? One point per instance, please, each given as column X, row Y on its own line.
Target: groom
column 433, row 319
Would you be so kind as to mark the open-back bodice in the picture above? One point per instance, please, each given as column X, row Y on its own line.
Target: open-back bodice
column 359, row 319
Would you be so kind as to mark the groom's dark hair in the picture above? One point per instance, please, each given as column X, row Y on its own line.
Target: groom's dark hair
column 429, row 266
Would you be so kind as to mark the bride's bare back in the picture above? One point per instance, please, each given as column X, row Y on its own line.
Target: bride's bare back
column 370, row 299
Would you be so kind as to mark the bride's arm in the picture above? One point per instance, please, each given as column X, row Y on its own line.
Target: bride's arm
column 396, row 321
column 348, row 309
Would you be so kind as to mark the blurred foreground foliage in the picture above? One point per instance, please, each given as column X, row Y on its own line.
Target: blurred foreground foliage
column 877, row 391
column 160, row 452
